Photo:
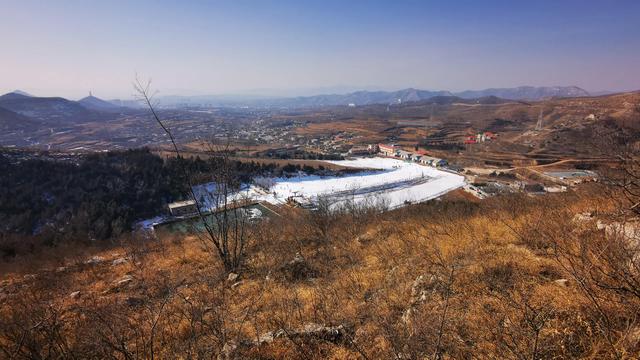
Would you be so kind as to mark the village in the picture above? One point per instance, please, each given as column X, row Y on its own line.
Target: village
column 387, row 175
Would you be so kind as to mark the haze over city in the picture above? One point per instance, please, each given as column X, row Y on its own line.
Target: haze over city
column 66, row 48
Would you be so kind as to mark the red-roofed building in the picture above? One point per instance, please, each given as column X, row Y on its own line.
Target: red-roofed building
column 387, row 150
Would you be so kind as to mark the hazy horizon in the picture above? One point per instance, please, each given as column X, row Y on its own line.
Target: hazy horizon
column 288, row 48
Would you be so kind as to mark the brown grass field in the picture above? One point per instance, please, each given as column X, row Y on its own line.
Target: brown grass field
column 450, row 279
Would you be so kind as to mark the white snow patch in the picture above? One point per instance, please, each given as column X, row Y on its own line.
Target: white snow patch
column 150, row 223
column 394, row 183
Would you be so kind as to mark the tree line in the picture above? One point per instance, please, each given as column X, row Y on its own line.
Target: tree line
column 95, row 198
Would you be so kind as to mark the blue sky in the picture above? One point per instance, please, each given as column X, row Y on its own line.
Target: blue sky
column 301, row 47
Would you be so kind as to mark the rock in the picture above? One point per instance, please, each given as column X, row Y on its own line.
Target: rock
column 407, row 316
column 417, row 285
column 423, row 286
column 367, row 237
column 60, row 269
column 232, row 277
column 119, row 261
column 95, row 260
column 298, row 269
column 30, row 277
column 227, row 351
column 75, row 295
column 310, row 331
column 120, row 284
column 561, row 282
column 269, row 337
column 585, row 216
column 334, row 334
column 125, row 280
column 297, row 258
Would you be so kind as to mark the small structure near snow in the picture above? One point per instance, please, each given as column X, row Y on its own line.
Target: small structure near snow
column 182, row 208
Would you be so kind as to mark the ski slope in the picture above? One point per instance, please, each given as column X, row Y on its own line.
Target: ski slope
column 383, row 181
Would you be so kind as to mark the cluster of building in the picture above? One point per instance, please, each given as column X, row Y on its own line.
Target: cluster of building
column 363, row 150
column 479, row 137
column 392, row 150
column 333, row 144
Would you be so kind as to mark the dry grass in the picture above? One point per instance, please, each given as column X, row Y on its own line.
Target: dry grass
column 448, row 279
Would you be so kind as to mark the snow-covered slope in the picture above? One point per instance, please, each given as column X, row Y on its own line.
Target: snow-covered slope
column 394, row 183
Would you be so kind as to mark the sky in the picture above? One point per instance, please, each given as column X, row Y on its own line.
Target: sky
column 298, row 47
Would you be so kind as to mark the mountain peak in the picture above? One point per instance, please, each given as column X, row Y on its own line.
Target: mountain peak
column 95, row 103
column 15, row 95
column 20, row 92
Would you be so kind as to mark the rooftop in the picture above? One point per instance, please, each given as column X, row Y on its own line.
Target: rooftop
column 178, row 204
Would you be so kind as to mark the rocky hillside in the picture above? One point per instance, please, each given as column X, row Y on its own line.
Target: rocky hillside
column 505, row 278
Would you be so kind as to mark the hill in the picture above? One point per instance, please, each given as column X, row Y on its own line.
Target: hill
column 526, row 92
column 20, row 92
column 50, row 110
column 360, row 98
column 514, row 275
column 451, row 99
column 93, row 103
column 10, row 120
column 366, row 98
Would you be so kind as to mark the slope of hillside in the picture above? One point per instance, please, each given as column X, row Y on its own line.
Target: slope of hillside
column 460, row 280
column 10, row 120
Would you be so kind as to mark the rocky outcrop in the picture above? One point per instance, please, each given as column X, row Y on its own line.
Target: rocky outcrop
column 95, row 260
column 298, row 269
column 310, row 331
column 120, row 284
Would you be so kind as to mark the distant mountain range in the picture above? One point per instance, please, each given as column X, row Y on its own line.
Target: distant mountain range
column 48, row 110
column 21, row 110
column 360, row 98
column 526, row 92
column 21, row 107
column 529, row 93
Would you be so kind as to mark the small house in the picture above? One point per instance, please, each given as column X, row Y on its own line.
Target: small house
column 359, row 150
column 387, row 150
column 183, row 208
column 404, row 154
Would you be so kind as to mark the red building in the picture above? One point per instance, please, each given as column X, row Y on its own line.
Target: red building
column 388, row 150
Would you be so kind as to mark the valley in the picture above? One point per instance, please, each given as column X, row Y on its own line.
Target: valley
column 320, row 179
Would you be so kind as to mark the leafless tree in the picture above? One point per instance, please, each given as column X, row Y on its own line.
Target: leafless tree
column 225, row 228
